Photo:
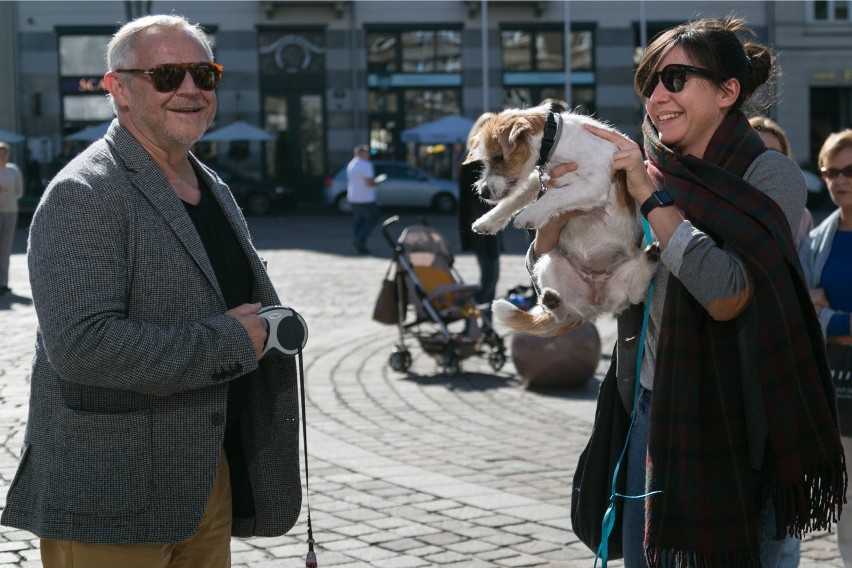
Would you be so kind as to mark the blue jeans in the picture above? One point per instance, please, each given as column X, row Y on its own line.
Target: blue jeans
column 633, row 528
column 489, row 273
column 365, row 216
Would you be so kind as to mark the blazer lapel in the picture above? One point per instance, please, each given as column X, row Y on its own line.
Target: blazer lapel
column 147, row 177
column 263, row 291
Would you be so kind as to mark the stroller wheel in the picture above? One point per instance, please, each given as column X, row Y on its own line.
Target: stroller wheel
column 497, row 358
column 451, row 366
column 400, row 361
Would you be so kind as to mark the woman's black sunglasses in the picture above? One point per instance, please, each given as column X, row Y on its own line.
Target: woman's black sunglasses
column 673, row 77
column 169, row 76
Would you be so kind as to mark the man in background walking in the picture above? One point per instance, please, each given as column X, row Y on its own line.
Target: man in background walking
column 361, row 193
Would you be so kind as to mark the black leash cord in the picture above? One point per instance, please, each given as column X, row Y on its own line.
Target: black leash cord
column 311, row 558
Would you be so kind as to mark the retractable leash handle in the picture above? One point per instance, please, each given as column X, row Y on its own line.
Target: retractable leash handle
column 287, row 331
column 608, row 522
column 287, row 336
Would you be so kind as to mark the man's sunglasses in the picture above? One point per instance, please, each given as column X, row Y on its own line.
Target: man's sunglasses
column 673, row 77
column 831, row 173
column 168, row 77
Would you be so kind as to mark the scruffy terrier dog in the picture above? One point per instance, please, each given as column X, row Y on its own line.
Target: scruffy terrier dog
column 598, row 266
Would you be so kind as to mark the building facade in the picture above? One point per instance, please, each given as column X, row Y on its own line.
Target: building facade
column 323, row 76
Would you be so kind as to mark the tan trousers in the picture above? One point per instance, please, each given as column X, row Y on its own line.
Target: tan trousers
column 208, row 547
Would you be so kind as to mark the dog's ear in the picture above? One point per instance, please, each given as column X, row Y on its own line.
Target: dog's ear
column 514, row 134
column 474, row 153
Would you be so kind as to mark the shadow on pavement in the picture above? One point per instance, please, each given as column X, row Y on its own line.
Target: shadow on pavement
column 589, row 391
column 466, row 382
column 9, row 299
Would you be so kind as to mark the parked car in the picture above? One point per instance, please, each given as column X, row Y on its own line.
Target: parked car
column 817, row 190
column 256, row 196
column 405, row 186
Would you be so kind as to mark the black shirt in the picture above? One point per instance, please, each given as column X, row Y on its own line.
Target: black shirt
column 232, row 269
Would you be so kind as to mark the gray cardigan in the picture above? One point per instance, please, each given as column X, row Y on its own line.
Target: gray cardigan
column 813, row 253
column 133, row 357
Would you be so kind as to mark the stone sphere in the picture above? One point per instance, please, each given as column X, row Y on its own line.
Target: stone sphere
column 566, row 361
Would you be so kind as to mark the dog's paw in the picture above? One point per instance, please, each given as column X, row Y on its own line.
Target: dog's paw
column 653, row 251
column 527, row 219
column 550, row 300
column 485, row 226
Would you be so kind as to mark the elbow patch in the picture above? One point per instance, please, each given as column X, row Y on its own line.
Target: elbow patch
column 725, row 309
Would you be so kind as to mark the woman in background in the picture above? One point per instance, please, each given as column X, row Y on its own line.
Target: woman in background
column 775, row 139
column 827, row 262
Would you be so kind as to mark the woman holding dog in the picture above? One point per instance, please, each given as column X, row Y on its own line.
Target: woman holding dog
column 735, row 436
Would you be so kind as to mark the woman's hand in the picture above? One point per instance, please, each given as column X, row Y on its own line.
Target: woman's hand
column 547, row 237
column 629, row 158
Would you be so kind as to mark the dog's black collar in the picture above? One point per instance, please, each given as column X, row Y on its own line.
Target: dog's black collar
column 552, row 131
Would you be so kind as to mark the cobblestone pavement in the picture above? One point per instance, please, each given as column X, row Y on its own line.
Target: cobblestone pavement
column 409, row 470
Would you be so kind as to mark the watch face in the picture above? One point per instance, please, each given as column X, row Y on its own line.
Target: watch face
column 664, row 197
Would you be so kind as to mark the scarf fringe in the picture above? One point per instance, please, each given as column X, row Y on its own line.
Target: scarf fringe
column 813, row 504
column 668, row 558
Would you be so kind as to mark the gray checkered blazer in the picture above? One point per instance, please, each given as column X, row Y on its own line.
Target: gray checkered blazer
column 133, row 357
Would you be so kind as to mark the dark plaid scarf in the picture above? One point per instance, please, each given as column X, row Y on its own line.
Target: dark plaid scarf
column 698, row 446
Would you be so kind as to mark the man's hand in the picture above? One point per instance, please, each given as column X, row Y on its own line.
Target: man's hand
column 254, row 325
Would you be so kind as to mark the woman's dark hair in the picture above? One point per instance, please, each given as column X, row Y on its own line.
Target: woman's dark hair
column 712, row 44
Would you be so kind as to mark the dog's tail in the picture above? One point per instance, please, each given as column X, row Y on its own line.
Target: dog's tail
column 536, row 322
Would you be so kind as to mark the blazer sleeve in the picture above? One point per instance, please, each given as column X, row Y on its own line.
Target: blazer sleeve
column 109, row 313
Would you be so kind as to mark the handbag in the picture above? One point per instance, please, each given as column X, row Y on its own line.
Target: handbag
column 592, row 483
column 390, row 304
column 839, row 357
column 597, row 504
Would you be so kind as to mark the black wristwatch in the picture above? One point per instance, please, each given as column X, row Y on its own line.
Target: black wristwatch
column 657, row 199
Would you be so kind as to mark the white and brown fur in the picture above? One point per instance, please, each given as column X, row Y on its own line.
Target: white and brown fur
column 598, row 266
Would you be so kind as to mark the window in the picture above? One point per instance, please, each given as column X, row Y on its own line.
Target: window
column 534, row 66
column 542, row 50
column 836, row 11
column 414, row 51
column 82, row 64
column 83, row 55
column 413, row 77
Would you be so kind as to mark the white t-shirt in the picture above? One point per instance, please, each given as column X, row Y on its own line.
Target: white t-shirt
column 357, row 189
column 11, row 188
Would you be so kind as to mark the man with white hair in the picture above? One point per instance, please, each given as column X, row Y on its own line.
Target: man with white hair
column 155, row 431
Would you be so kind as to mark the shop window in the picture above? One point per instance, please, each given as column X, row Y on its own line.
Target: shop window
column 414, row 51
column 534, row 67
column 542, row 50
column 82, row 55
column 830, row 11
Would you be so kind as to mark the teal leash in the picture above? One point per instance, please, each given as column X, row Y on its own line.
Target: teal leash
column 609, row 516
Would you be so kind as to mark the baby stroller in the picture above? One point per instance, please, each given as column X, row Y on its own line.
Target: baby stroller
column 427, row 281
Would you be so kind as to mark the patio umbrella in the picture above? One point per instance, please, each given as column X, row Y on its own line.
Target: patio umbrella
column 10, row 137
column 446, row 130
column 90, row 133
column 238, row 131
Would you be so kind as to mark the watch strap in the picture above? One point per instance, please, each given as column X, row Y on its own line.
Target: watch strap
column 657, row 199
